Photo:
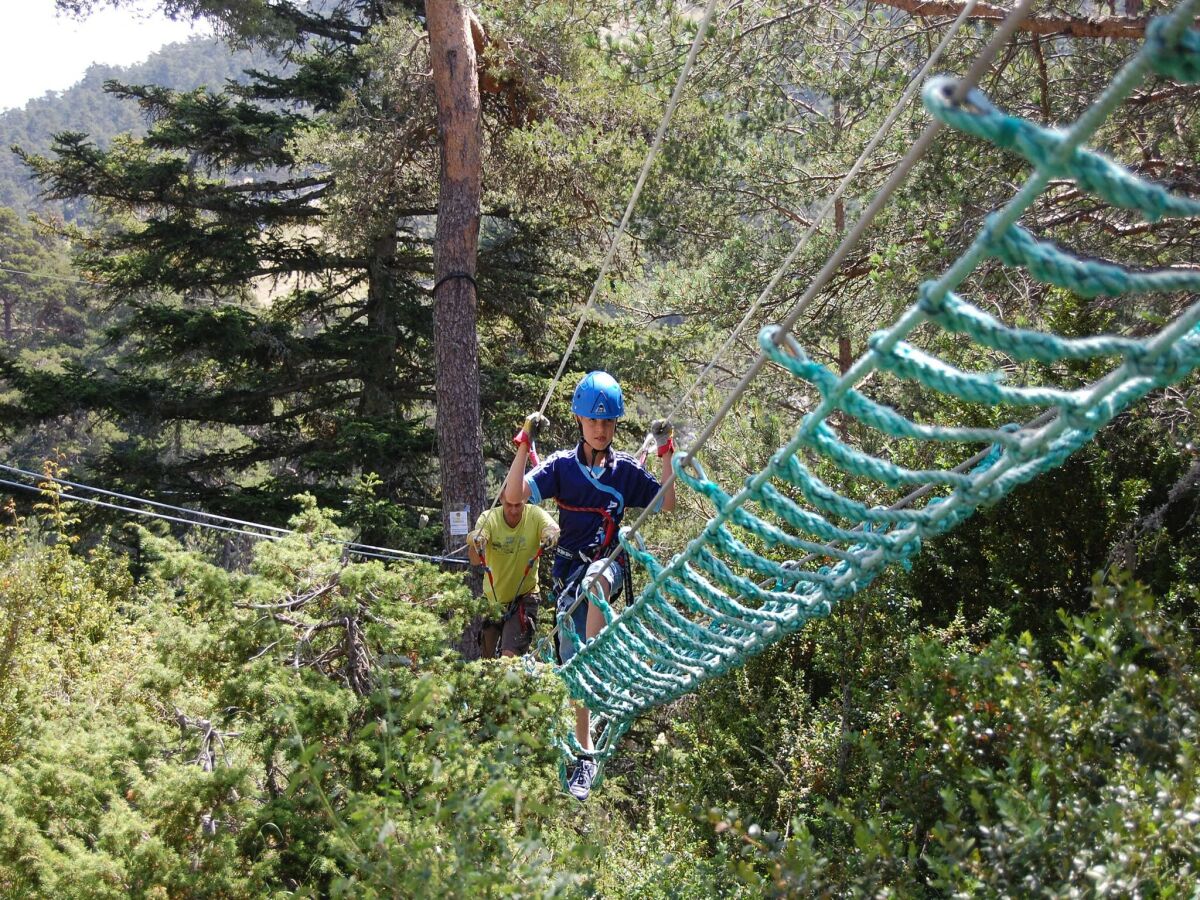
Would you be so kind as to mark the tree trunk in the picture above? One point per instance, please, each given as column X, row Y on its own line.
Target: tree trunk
column 378, row 397
column 377, row 401
column 456, row 240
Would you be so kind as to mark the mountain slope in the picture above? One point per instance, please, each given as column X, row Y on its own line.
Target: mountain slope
column 86, row 107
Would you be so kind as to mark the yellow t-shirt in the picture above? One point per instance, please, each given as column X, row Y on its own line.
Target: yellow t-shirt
column 509, row 551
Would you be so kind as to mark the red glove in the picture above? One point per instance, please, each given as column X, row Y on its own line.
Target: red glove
column 529, row 432
column 664, row 436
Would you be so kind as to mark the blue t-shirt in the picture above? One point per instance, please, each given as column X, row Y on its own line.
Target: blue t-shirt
column 619, row 484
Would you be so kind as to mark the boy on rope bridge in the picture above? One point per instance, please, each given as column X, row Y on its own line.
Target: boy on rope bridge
column 508, row 542
column 593, row 486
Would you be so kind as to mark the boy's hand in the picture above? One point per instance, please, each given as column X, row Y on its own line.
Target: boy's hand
column 664, row 436
column 534, row 422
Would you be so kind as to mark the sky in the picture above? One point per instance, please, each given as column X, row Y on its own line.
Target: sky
column 41, row 51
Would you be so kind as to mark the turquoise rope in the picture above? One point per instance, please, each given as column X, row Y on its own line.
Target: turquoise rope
column 708, row 609
column 1049, row 263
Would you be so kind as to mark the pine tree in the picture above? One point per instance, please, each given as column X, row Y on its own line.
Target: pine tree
column 272, row 244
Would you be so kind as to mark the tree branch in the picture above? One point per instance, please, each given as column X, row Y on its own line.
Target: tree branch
column 1126, row 27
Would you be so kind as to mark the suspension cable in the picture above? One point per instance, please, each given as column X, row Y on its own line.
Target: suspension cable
column 66, row 278
column 898, row 107
column 701, row 31
column 143, row 500
column 266, row 532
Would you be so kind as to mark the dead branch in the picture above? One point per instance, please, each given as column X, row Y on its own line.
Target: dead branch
column 1124, row 551
column 295, row 600
column 1123, row 27
column 206, row 758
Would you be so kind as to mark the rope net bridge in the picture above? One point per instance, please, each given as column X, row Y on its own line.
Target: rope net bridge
column 726, row 597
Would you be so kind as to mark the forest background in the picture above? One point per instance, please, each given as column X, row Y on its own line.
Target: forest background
column 216, row 290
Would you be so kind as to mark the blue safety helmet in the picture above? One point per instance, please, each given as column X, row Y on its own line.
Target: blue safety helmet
column 598, row 396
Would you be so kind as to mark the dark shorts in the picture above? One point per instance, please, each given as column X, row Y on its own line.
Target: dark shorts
column 512, row 633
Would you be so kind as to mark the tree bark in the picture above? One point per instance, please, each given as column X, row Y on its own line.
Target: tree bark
column 379, row 365
column 456, row 240
column 1130, row 27
column 379, row 398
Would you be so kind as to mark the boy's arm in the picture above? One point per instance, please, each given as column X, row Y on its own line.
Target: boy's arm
column 515, row 488
column 664, row 437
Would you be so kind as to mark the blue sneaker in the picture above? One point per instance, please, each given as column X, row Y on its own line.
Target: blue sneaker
column 580, row 785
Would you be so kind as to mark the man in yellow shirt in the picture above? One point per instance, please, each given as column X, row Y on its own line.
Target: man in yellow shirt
column 506, row 541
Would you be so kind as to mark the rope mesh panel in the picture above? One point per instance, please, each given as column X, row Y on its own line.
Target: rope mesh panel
column 709, row 608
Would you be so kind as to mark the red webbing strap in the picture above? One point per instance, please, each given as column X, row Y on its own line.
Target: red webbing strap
column 522, row 618
column 488, row 569
column 610, row 524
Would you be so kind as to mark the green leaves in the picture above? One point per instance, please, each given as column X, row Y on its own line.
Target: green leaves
column 205, row 734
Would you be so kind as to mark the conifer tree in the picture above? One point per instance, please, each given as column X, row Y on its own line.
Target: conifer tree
column 272, row 242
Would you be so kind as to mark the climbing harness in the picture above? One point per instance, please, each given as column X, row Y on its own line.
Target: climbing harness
column 610, row 525
column 517, row 605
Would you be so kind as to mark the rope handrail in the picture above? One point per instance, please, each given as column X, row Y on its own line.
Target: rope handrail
column 914, row 83
column 647, row 163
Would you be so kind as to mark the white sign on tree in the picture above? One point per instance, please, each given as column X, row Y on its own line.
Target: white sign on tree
column 459, row 520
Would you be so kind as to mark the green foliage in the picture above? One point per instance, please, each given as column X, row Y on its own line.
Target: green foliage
column 1070, row 773
column 301, row 726
column 467, row 790
column 226, row 735
column 996, row 770
column 46, row 320
column 58, row 615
